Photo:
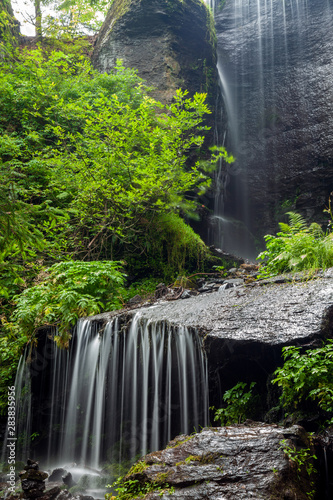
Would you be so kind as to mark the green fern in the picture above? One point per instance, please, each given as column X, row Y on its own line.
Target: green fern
column 68, row 291
column 297, row 247
column 296, row 223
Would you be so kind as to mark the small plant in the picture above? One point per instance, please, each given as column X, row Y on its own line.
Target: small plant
column 240, row 404
column 221, row 270
column 307, row 375
column 128, row 489
column 302, row 459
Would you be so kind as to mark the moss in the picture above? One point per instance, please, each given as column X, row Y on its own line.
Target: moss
column 189, row 459
column 210, row 458
column 137, row 468
column 162, row 477
column 211, row 32
column 119, row 9
column 180, row 440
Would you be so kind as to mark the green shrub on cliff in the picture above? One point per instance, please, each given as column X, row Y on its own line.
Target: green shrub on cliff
column 93, row 156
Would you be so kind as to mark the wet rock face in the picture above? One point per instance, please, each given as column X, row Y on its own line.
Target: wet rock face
column 236, row 462
column 271, row 312
column 278, row 69
column 245, row 326
column 170, row 43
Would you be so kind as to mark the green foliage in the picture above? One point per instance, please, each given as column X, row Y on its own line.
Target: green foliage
column 9, row 29
column 302, row 458
column 221, row 269
column 297, row 247
column 68, row 291
column 92, row 157
column 145, row 288
column 307, row 376
column 303, row 461
column 128, row 488
column 122, row 180
column 92, row 170
column 75, row 17
column 174, row 242
column 240, row 405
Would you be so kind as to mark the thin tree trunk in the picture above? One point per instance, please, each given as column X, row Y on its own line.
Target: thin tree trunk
column 38, row 21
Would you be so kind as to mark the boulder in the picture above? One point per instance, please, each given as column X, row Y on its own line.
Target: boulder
column 245, row 327
column 230, row 463
column 56, row 474
column 171, row 44
column 279, row 311
column 68, row 480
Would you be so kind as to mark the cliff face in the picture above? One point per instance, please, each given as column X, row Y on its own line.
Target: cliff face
column 9, row 26
column 170, row 42
column 277, row 63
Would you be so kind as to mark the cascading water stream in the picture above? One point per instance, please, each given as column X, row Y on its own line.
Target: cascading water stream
column 265, row 49
column 112, row 397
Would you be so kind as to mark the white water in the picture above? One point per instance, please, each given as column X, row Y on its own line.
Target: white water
column 115, row 396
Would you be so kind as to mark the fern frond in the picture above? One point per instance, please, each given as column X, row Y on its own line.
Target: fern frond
column 316, row 230
column 297, row 223
column 285, row 228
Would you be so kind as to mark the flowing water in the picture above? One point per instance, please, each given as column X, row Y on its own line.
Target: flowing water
column 266, row 49
column 113, row 396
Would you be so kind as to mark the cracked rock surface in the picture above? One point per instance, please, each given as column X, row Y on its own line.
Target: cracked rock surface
column 236, row 462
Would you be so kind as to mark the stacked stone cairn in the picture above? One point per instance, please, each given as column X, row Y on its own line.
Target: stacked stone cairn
column 33, row 480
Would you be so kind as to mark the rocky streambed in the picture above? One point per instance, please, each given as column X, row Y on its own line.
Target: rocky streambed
column 245, row 324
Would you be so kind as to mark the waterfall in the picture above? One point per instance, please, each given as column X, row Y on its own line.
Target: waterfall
column 114, row 396
column 267, row 54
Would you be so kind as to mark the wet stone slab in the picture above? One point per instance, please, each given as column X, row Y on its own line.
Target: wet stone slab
column 236, row 462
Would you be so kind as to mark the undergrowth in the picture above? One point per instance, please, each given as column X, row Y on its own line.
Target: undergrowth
column 307, row 377
column 297, row 247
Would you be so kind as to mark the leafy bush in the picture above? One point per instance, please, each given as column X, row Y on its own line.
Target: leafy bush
column 240, row 405
column 68, row 291
column 128, row 489
column 91, row 163
column 297, row 247
column 307, row 376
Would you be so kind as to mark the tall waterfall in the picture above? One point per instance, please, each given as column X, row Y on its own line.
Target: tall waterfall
column 113, row 396
column 268, row 52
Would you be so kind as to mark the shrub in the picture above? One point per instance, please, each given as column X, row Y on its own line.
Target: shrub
column 240, row 404
column 297, row 247
column 68, row 291
column 307, row 376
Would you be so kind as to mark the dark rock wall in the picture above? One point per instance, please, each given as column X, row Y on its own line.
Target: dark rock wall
column 276, row 59
column 9, row 26
column 170, row 42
